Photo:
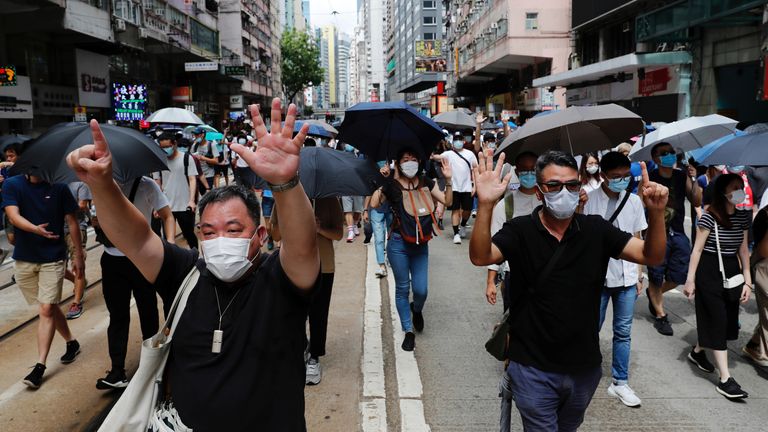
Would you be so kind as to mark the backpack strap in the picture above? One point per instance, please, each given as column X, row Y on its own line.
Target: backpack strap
column 186, row 164
column 509, row 206
column 431, row 211
column 415, row 216
column 134, row 189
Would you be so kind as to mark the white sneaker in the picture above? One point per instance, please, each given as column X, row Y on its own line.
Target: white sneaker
column 474, row 213
column 350, row 236
column 356, row 230
column 314, row 372
column 463, row 232
column 625, row 394
column 457, row 239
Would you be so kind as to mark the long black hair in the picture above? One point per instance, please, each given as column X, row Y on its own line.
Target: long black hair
column 719, row 200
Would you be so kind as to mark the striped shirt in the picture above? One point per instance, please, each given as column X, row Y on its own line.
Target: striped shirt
column 730, row 238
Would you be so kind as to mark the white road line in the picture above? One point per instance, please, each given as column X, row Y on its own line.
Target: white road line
column 412, row 416
column 373, row 353
column 408, row 378
column 374, row 415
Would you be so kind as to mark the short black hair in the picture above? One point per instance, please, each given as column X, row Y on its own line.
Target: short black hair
column 226, row 193
column 167, row 136
column 554, row 157
column 488, row 136
column 14, row 147
column 525, row 154
column 613, row 160
column 656, row 147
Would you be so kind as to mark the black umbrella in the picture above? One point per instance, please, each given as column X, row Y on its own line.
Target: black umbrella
column 7, row 140
column 380, row 129
column 325, row 172
column 748, row 149
column 133, row 153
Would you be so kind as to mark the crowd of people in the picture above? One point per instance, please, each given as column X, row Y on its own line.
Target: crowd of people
column 560, row 239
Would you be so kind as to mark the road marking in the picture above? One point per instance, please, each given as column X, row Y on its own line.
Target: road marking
column 412, row 416
column 408, row 378
column 373, row 411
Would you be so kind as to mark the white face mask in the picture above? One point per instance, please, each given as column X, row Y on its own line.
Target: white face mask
column 227, row 258
column 410, row 168
column 241, row 141
column 561, row 205
column 592, row 169
column 737, row 197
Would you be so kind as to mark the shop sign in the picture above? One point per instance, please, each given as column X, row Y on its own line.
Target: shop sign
column 93, row 79
column 181, row 94
column 236, row 101
column 235, row 71
column 7, row 76
column 201, row 66
column 213, row 108
column 16, row 101
column 655, row 81
column 129, row 100
column 81, row 114
column 765, row 78
column 54, row 100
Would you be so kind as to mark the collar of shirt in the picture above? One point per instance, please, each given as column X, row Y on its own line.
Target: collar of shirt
column 573, row 228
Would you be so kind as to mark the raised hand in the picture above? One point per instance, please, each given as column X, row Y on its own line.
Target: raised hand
column 93, row 162
column 479, row 118
column 489, row 185
column 445, row 166
column 276, row 159
column 654, row 195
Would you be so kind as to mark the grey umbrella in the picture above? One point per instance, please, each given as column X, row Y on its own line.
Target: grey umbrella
column 323, row 125
column 455, row 119
column 576, row 130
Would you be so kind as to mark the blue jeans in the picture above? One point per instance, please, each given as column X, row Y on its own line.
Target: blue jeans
column 410, row 267
column 380, row 222
column 623, row 307
column 550, row 401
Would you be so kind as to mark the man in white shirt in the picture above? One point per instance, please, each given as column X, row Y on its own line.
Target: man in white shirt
column 517, row 202
column 621, row 281
column 461, row 161
column 120, row 278
column 208, row 155
column 180, row 187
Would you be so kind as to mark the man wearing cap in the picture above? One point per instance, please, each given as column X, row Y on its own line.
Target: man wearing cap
column 461, row 161
column 206, row 154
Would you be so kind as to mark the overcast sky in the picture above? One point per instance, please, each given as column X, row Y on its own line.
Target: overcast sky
column 321, row 14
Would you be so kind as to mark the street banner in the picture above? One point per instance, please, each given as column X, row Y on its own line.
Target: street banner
column 92, row 79
column 429, row 57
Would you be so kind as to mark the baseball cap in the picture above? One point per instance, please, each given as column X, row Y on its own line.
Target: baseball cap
column 198, row 130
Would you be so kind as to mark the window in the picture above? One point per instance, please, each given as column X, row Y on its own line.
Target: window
column 429, row 36
column 428, row 4
column 532, row 21
column 428, row 20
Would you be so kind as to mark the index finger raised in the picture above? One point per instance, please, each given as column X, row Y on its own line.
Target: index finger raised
column 645, row 177
column 101, row 148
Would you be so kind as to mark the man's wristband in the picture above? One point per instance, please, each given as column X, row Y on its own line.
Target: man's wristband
column 292, row 183
column 449, row 185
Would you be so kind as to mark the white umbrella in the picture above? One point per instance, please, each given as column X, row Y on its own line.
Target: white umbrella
column 174, row 115
column 684, row 135
column 323, row 125
column 456, row 119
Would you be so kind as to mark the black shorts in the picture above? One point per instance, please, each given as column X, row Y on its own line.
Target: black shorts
column 462, row 201
column 221, row 169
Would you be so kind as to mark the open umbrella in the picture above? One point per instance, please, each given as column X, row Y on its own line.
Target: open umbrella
column 133, row 153
column 455, row 119
column 174, row 116
column 575, row 130
column 700, row 153
column 380, row 129
column 489, row 126
column 510, row 123
column 7, row 140
column 323, row 125
column 684, row 135
column 325, row 172
column 747, row 149
column 314, row 129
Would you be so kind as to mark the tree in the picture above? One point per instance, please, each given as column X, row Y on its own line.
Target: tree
column 300, row 62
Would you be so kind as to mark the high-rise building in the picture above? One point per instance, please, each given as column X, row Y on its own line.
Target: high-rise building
column 370, row 21
column 294, row 14
column 343, row 70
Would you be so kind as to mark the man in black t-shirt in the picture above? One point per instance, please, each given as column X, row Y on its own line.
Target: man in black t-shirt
column 557, row 264
column 236, row 362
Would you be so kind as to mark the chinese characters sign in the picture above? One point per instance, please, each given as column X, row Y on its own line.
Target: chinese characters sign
column 129, row 101
column 7, row 76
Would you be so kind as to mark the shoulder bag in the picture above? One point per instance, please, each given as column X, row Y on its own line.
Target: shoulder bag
column 143, row 399
column 728, row 283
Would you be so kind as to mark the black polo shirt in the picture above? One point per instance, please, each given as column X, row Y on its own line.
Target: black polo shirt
column 555, row 329
column 257, row 381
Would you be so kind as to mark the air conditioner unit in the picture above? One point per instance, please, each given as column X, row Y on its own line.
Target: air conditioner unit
column 119, row 25
column 494, row 25
column 143, row 33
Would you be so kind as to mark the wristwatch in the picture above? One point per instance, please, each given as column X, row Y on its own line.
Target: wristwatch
column 292, row 183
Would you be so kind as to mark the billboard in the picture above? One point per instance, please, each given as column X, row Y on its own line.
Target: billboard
column 93, row 79
column 429, row 57
column 129, row 101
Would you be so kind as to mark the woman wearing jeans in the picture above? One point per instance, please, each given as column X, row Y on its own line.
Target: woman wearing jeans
column 717, row 307
column 409, row 260
column 381, row 219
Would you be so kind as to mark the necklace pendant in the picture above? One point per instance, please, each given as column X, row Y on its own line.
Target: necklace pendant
column 218, row 337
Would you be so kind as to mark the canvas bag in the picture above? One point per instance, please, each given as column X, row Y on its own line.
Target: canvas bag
column 140, row 399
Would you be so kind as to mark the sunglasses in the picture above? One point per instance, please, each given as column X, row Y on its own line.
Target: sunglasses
column 556, row 186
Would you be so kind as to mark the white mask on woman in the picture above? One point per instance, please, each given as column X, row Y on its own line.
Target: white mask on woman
column 409, row 168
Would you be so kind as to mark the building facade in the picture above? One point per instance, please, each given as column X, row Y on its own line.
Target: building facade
column 372, row 80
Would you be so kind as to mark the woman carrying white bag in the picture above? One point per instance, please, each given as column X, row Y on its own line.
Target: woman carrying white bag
column 231, row 356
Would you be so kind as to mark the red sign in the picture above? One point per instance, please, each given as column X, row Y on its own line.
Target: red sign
column 181, row 94
column 765, row 78
column 374, row 95
column 654, row 81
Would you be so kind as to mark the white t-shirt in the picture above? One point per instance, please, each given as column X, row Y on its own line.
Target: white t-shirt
column 591, row 185
column 764, row 199
column 462, row 174
column 240, row 161
column 524, row 204
column 148, row 198
column 202, row 150
column 174, row 184
column 631, row 219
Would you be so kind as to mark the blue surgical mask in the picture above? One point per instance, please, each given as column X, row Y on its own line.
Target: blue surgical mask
column 348, row 148
column 458, row 144
column 168, row 151
column 527, row 179
column 668, row 161
column 619, row 184
column 381, row 164
column 736, row 169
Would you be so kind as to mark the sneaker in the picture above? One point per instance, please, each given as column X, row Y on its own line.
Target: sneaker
column 463, row 231
column 314, row 372
column 35, row 378
column 731, row 389
column 381, row 272
column 409, row 342
column 73, row 349
column 456, row 239
column 356, row 230
column 418, row 319
column 700, row 360
column 115, row 379
column 3, row 255
column 75, row 310
column 625, row 394
column 350, row 236
column 474, row 213
column 651, row 309
column 754, row 356
column 663, row 326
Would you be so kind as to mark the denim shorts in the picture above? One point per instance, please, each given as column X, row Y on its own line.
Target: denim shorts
column 675, row 265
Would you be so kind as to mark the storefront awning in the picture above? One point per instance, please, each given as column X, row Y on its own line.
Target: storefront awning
column 627, row 63
column 421, row 82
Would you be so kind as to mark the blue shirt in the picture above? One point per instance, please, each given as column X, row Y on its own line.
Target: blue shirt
column 39, row 203
column 636, row 171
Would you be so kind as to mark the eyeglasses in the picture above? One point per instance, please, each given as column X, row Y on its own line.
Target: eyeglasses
column 625, row 178
column 556, row 186
column 666, row 153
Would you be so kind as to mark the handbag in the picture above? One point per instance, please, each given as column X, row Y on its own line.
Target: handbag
column 141, row 400
column 498, row 344
column 734, row 281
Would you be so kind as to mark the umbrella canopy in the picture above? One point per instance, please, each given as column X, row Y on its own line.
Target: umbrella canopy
column 380, row 129
column 323, row 125
column 489, row 126
column 175, row 116
column 7, row 140
column 133, row 153
column 205, row 127
column 747, row 149
column 575, row 130
column 699, row 154
column 455, row 119
column 325, row 172
column 510, row 123
column 314, row 129
column 684, row 135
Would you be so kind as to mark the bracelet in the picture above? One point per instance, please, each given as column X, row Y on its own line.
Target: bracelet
column 449, row 185
column 292, row 183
